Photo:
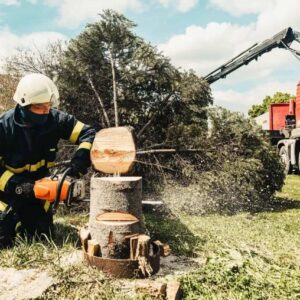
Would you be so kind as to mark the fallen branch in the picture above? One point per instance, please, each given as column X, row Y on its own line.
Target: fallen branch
column 170, row 151
column 154, row 165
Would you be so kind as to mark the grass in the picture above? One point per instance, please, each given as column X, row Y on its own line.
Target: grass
column 291, row 189
column 243, row 256
column 249, row 256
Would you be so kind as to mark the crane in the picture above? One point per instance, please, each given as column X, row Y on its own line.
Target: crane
column 282, row 39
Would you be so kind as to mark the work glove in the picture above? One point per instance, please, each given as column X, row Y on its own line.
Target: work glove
column 78, row 167
column 20, row 187
column 25, row 189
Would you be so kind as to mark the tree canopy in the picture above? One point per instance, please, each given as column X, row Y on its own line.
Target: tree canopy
column 258, row 109
column 109, row 76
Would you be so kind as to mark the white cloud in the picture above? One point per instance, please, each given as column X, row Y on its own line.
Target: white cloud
column 186, row 5
column 180, row 5
column 238, row 7
column 282, row 14
column 10, row 42
column 74, row 12
column 9, row 2
column 206, row 48
column 242, row 101
column 272, row 15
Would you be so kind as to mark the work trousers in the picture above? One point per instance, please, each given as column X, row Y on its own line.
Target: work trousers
column 25, row 216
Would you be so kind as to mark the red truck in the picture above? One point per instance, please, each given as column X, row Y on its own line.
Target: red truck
column 284, row 118
column 284, row 127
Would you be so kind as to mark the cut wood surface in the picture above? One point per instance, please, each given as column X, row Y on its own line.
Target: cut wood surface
column 93, row 248
column 84, row 236
column 173, row 291
column 113, row 150
column 143, row 253
column 117, row 218
column 133, row 247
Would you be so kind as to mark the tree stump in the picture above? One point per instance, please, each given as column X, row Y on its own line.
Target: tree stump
column 115, row 213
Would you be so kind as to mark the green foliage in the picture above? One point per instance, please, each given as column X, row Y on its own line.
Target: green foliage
column 147, row 87
column 251, row 279
column 239, row 170
column 241, row 140
column 171, row 231
column 258, row 109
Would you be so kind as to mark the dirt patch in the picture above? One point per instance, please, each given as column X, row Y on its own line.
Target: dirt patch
column 171, row 267
column 23, row 284
column 73, row 258
column 176, row 265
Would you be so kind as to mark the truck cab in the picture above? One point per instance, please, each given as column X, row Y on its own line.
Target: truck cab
column 284, row 131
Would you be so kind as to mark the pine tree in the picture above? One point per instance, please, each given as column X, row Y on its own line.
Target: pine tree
column 109, row 77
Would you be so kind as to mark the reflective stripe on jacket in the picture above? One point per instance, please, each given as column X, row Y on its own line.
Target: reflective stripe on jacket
column 31, row 151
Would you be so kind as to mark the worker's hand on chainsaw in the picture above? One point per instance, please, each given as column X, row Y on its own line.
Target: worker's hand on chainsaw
column 20, row 187
column 25, row 189
column 78, row 167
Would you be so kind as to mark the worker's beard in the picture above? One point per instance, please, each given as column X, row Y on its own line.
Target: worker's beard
column 32, row 118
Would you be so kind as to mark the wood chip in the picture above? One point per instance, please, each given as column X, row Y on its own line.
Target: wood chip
column 85, row 235
column 151, row 288
column 165, row 249
column 93, row 248
column 173, row 291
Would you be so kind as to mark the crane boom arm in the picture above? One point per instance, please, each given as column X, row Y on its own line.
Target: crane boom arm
column 283, row 39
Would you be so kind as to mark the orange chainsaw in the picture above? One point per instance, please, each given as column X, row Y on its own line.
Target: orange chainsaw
column 58, row 188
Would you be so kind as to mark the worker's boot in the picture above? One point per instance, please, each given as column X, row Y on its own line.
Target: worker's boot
column 36, row 221
column 8, row 223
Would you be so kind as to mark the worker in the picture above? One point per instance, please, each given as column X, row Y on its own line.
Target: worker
column 29, row 135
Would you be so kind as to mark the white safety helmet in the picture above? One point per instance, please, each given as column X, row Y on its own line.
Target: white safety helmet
column 36, row 89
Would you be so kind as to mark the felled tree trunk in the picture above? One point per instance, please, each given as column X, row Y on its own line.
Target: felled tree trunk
column 114, row 150
column 115, row 213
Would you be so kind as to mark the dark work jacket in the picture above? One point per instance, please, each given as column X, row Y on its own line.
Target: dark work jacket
column 29, row 152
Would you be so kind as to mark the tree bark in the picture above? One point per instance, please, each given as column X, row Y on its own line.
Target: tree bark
column 113, row 72
column 115, row 213
column 100, row 100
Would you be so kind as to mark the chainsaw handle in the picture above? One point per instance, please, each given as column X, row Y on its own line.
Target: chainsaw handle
column 59, row 188
column 70, row 193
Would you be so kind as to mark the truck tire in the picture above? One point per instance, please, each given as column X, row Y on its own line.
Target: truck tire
column 284, row 156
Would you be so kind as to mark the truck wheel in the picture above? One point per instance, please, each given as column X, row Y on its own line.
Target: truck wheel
column 285, row 160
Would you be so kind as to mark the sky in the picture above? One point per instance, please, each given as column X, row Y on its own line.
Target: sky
column 194, row 34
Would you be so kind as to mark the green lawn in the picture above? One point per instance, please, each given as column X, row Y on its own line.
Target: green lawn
column 242, row 256
column 247, row 255
column 291, row 188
